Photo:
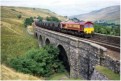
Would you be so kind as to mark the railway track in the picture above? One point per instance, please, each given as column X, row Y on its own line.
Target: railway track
column 107, row 45
column 102, row 43
column 115, row 48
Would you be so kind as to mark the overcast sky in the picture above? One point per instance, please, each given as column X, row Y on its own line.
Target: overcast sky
column 63, row 7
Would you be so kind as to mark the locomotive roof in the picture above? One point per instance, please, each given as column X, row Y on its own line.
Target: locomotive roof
column 85, row 22
column 81, row 23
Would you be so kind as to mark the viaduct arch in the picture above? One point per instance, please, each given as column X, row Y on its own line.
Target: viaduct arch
column 63, row 57
column 47, row 41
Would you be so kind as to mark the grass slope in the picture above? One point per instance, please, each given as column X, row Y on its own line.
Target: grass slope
column 108, row 73
column 15, row 40
column 8, row 73
column 27, row 12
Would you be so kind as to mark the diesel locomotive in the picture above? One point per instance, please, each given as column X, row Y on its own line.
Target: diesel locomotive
column 85, row 29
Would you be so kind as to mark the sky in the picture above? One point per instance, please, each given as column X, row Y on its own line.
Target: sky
column 63, row 7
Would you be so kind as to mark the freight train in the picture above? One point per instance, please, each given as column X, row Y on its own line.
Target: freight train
column 85, row 29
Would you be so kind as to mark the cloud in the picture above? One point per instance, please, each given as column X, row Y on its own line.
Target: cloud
column 64, row 7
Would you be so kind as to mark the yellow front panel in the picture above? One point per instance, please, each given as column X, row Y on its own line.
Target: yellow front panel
column 88, row 30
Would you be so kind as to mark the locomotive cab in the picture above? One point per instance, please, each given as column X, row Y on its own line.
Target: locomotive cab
column 88, row 28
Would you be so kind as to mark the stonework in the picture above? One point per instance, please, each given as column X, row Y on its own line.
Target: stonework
column 82, row 55
column 110, row 63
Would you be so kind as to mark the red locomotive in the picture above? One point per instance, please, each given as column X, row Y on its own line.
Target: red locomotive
column 83, row 28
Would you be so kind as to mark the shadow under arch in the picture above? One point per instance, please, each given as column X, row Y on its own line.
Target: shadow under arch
column 47, row 41
column 36, row 36
column 63, row 57
column 40, row 40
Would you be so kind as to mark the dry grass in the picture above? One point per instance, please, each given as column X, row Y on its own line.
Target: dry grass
column 10, row 74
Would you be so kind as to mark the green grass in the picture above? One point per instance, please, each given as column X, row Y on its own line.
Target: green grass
column 108, row 73
column 61, row 76
column 15, row 40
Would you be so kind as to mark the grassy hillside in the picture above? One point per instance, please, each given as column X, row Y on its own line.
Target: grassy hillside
column 27, row 12
column 15, row 39
column 9, row 73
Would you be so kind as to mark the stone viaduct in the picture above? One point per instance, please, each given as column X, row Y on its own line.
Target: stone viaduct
column 79, row 56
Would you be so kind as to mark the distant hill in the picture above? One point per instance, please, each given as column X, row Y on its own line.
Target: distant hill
column 109, row 14
column 12, row 12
